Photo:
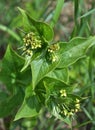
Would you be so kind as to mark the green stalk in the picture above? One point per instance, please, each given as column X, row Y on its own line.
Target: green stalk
column 57, row 12
column 12, row 33
column 76, row 14
column 76, row 10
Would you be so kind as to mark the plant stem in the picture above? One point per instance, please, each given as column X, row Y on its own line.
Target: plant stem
column 12, row 33
column 76, row 10
column 57, row 12
column 71, row 124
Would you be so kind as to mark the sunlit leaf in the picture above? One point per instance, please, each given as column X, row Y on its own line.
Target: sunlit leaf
column 71, row 51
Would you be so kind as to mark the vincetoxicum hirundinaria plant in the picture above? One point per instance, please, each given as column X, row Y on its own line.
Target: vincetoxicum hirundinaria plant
column 39, row 76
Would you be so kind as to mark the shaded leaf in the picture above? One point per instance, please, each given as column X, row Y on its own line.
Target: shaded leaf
column 10, row 73
column 42, row 28
column 53, row 87
column 9, row 104
column 3, row 96
column 25, row 22
column 31, row 105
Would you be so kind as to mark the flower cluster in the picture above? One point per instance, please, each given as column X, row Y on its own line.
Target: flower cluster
column 69, row 109
column 52, row 49
column 32, row 42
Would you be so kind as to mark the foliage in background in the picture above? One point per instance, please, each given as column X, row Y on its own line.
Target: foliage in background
column 81, row 74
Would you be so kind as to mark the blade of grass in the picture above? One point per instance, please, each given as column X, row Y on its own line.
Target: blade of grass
column 76, row 10
column 57, row 12
column 83, row 124
column 13, row 34
column 88, row 13
column 84, row 28
column 76, row 14
column 87, row 113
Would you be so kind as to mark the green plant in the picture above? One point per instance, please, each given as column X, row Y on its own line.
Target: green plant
column 38, row 76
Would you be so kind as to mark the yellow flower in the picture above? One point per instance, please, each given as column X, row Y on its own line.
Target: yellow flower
column 77, row 100
column 63, row 93
column 32, row 39
column 77, row 106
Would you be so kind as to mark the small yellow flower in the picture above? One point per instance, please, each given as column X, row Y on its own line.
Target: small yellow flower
column 65, row 112
column 77, row 100
column 54, row 58
column 76, row 110
column 72, row 110
column 52, row 49
column 63, row 93
column 77, row 106
column 70, row 113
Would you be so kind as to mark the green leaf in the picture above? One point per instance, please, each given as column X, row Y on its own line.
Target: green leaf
column 25, row 22
column 55, row 85
column 75, row 49
column 59, row 74
column 3, row 96
column 29, row 24
column 31, row 105
column 44, row 30
column 41, row 68
column 9, row 104
column 88, row 13
column 27, row 63
column 87, row 113
column 10, row 73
